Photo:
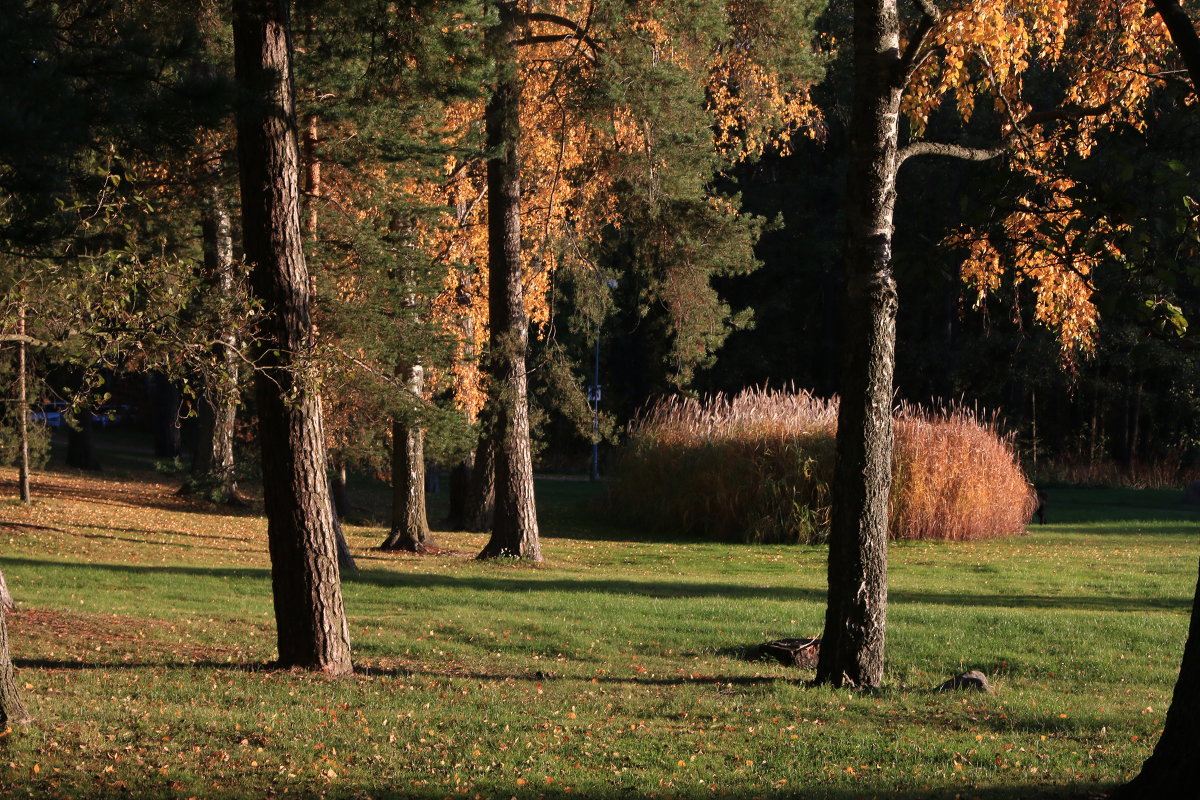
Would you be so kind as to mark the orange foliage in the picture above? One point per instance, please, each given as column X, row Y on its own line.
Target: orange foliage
column 1111, row 52
column 568, row 196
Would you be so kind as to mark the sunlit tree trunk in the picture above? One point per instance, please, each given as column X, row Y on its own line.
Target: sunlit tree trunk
column 852, row 645
column 301, row 530
column 22, row 409
column 410, row 523
column 12, row 710
column 515, row 528
column 1173, row 770
column 213, row 465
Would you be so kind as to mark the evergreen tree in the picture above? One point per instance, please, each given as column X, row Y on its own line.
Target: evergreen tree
column 310, row 619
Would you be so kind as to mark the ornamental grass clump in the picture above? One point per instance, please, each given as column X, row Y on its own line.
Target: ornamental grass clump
column 756, row 467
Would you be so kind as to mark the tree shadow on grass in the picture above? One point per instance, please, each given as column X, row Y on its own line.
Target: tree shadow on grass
column 534, row 581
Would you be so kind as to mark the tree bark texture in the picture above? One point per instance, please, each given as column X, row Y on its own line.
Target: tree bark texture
column 515, row 528
column 852, row 645
column 213, row 466
column 1173, row 770
column 12, row 710
column 410, row 522
column 301, row 532
column 22, row 410
column 480, row 507
column 337, row 487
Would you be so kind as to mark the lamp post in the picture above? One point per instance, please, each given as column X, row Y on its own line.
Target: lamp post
column 594, row 392
column 593, row 395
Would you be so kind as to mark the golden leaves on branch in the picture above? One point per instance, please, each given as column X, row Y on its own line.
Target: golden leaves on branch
column 1108, row 54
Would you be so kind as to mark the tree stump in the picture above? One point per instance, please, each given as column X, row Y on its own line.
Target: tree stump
column 793, row 652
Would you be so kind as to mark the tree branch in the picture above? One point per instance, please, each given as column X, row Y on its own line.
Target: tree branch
column 958, row 151
column 577, row 31
column 1183, row 34
column 1064, row 113
column 911, row 59
column 551, row 39
column 20, row 337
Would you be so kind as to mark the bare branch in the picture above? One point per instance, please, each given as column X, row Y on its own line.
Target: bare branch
column 912, row 58
column 1183, row 33
column 950, row 150
column 1065, row 113
column 5, row 338
column 577, row 32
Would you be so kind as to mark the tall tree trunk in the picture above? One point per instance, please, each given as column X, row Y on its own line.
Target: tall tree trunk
column 1173, row 770
column 337, row 487
column 855, row 619
column 515, row 528
column 301, row 531
column 213, row 466
column 22, row 408
column 410, row 523
column 12, row 710
column 480, row 508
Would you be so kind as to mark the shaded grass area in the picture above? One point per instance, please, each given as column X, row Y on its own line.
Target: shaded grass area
column 146, row 629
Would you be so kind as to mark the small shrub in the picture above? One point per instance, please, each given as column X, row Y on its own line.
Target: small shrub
column 757, row 467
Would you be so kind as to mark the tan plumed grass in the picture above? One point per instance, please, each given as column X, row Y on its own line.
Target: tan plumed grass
column 756, row 467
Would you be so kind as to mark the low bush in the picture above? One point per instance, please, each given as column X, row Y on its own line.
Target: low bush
column 756, row 467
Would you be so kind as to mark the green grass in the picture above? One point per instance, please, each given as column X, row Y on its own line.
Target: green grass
column 146, row 626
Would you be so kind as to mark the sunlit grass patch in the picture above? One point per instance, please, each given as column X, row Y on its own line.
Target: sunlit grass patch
column 613, row 669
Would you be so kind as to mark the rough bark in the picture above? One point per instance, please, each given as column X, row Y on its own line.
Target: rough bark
column 22, row 411
column 410, row 523
column 6, row 600
column 12, row 710
column 301, row 530
column 852, row 645
column 337, row 487
column 480, row 508
column 515, row 528
column 1183, row 35
column 213, row 465
column 1173, row 770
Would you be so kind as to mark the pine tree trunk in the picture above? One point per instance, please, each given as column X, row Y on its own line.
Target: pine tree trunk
column 480, row 508
column 1173, row 770
column 515, row 528
column 6, row 600
column 301, row 531
column 213, row 466
column 410, row 523
column 337, row 487
column 853, row 642
column 12, row 710
column 22, row 409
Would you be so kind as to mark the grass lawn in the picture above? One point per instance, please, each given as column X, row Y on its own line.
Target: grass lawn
column 146, row 625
